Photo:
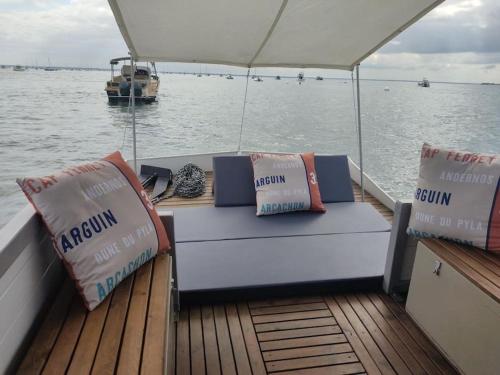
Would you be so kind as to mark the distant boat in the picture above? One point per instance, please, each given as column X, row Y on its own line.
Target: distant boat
column 258, row 79
column 19, row 68
column 319, row 78
column 229, row 76
column 50, row 68
column 146, row 83
column 424, row 83
column 300, row 78
column 278, row 78
column 198, row 75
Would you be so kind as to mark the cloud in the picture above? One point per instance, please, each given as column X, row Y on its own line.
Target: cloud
column 78, row 32
column 454, row 27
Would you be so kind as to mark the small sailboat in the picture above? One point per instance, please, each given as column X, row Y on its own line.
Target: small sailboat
column 278, row 78
column 19, row 68
column 229, row 76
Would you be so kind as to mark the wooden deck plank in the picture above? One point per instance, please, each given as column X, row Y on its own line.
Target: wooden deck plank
column 46, row 337
column 384, row 345
column 302, row 342
column 291, row 316
column 237, row 341
column 196, row 341
column 391, row 335
column 182, row 360
column 85, row 352
column 350, row 368
column 153, row 349
column 109, row 346
column 224, row 341
column 253, row 349
column 210, row 341
column 153, row 356
column 289, row 308
column 353, row 338
column 300, row 332
column 284, row 301
column 306, row 323
column 415, row 332
column 60, row 357
column 414, row 348
column 312, row 351
column 131, row 348
column 301, row 363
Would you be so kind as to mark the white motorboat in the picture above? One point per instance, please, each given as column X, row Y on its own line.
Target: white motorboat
column 146, row 83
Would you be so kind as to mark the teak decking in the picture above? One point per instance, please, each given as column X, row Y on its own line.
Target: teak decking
column 326, row 334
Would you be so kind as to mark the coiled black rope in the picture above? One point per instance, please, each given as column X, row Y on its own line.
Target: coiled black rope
column 189, row 182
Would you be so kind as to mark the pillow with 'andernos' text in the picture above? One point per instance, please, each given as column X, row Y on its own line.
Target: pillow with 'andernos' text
column 285, row 183
column 102, row 223
column 458, row 198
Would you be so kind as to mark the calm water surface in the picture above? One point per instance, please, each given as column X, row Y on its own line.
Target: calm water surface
column 49, row 120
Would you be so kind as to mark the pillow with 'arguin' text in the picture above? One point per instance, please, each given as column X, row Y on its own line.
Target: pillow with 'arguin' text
column 102, row 223
column 285, row 183
column 457, row 198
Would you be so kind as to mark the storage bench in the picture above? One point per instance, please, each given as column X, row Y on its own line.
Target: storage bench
column 454, row 297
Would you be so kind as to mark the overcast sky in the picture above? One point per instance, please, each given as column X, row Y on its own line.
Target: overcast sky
column 459, row 41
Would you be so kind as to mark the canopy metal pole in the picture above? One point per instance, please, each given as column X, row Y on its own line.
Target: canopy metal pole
column 360, row 144
column 132, row 93
column 243, row 112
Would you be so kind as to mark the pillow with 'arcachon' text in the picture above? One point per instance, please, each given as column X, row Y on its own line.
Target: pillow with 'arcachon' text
column 102, row 223
column 285, row 183
column 458, row 198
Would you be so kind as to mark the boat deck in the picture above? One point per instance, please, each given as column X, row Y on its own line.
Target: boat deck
column 351, row 333
column 326, row 334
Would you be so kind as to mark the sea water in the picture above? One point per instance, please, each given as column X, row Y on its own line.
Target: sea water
column 49, row 120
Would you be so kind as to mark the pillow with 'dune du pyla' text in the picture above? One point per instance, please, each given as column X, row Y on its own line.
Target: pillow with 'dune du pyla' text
column 285, row 183
column 457, row 198
column 102, row 223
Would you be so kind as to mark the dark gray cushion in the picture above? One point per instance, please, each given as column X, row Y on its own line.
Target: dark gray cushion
column 233, row 180
column 226, row 223
column 219, row 265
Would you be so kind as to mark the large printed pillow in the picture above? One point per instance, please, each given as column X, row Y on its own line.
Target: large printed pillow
column 285, row 183
column 458, row 198
column 102, row 223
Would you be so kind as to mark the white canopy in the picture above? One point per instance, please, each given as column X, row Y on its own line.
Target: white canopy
column 255, row 33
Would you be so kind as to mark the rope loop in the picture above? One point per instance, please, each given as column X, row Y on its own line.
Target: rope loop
column 189, row 181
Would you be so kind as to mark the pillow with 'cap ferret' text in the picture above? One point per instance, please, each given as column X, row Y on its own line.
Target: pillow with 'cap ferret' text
column 285, row 183
column 102, row 223
column 457, row 198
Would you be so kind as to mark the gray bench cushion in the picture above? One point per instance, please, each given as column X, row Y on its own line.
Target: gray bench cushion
column 223, row 223
column 233, row 180
column 264, row 262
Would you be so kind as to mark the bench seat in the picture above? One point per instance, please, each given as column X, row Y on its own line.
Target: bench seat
column 126, row 334
column 283, row 261
column 230, row 223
